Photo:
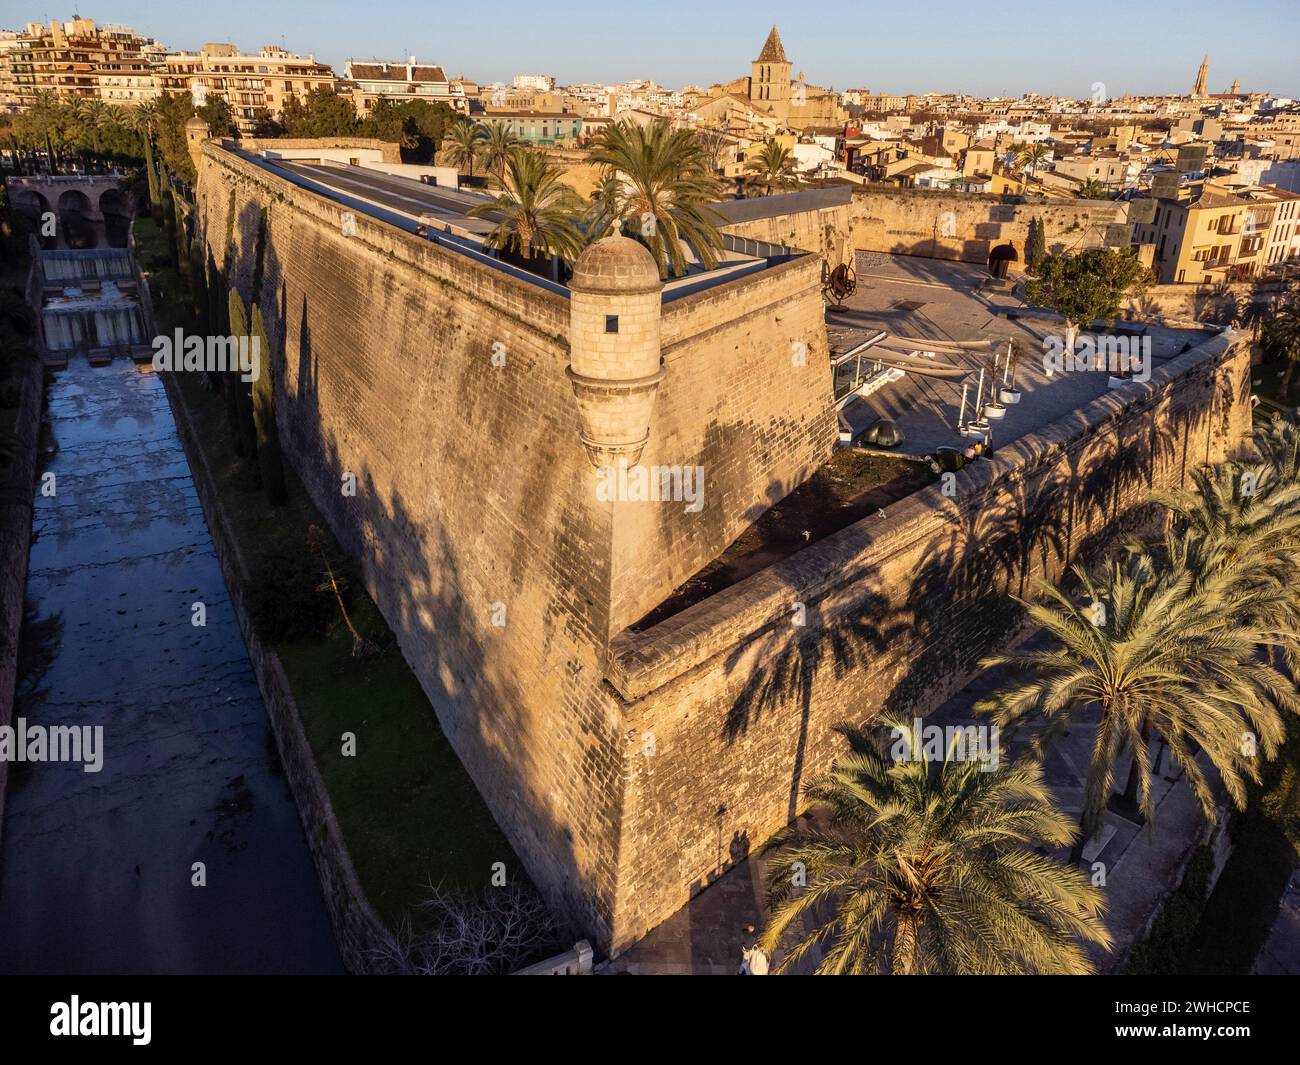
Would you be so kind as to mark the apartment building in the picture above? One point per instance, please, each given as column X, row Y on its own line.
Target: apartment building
column 1216, row 232
column 368, row 82
column 1107, row 168
column 878, row 103
column 255, row 86
column 132, row 79
column 8, row 88
column 534, row 82
column 542, row 129
column 78, row 59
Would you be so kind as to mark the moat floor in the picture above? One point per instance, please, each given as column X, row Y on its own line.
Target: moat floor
column 96, row 868
column 1141, row 866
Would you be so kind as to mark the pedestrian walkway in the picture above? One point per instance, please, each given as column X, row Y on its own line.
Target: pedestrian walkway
column 1280, row 955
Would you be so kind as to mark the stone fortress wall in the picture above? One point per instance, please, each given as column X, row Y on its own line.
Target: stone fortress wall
column 476, row 503
column 824, row 231
column 943, row 225
column 925, row 222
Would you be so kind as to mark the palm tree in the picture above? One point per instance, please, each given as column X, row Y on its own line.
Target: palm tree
column 1277, row 442
column 603, row 213
column 916, row 869
column 1158, row 650
column 1241, row 527
column 1247, row 512
column 539, row 214
column 464, row 142
column 499, row 142
column 1028, row 157
column 94, row 116
column 665, row 186
column 1281, row 336
column 772, row 165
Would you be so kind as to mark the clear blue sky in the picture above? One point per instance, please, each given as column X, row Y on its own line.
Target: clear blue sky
column 1050, row 46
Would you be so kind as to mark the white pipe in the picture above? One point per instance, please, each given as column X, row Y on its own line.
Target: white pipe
column 961, row 414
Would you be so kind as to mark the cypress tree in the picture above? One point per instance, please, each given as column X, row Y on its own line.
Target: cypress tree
column 198, row 284
column 217, row 324
column 237, row 324
column 259, row 255
column 269, row 461
column 181, row 251
column 1035, row 245
column 151, row 172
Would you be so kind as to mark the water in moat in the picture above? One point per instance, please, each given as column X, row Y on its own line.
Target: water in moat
column 97, row 870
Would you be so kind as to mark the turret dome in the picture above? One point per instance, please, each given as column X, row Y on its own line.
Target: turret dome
column 615, row 264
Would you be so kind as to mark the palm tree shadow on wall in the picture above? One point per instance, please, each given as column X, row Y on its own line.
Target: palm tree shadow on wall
column 796, row 653
column 954, row 609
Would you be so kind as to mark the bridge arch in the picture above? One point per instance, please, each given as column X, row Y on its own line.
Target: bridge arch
column 75, row 212
column 116, row 208
column 33, row 207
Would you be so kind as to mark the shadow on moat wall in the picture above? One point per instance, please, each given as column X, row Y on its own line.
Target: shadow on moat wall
column 420, row 593
column 959, row 605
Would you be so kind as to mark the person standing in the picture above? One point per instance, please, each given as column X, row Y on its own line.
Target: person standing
column 753, row 960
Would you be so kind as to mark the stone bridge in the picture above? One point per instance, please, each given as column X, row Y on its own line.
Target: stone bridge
column 91, row 198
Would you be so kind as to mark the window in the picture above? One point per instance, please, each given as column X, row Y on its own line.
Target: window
column 611, row 323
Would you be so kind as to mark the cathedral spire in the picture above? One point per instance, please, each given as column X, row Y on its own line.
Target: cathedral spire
column 772, row 52
column 1202, row 77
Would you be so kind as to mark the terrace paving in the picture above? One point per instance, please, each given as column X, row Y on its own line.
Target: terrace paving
column 937, row 300
column 396, row 192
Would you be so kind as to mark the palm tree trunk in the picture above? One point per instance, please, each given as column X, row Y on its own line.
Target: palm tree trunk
column 1286, row 377
column 1080, row 841
column 904, row 958
column 1131, row 787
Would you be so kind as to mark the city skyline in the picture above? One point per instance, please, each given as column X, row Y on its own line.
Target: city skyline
column 894, row 56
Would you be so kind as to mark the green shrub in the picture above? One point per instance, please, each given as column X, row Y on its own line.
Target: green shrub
column 1178, row 921
column 1166, row 946
column 1141, row 960
column 1196, row 879
column 285, row 600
